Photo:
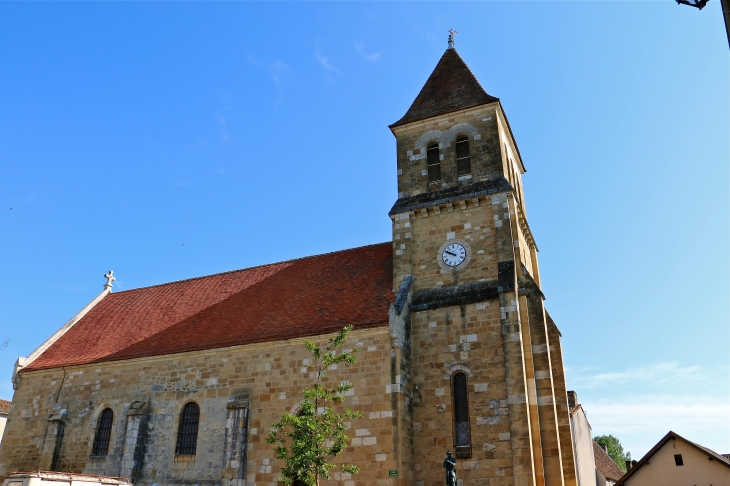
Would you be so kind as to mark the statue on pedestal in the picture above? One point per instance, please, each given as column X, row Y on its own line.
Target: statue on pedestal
column 450, row 466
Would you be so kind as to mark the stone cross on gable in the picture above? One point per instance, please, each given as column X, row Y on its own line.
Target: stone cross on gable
column 109, row 279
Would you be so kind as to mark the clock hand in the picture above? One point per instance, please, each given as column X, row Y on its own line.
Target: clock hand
column 447, row 251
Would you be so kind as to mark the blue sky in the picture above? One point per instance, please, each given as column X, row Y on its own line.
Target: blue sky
column 172, row 140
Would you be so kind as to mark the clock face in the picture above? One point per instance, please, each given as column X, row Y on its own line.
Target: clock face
column 454, row 254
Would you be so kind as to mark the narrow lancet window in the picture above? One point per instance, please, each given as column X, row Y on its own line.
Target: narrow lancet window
column 187, row 432
column 462, row 432
column 103, row 433
column 434, row 163
column 463, row 161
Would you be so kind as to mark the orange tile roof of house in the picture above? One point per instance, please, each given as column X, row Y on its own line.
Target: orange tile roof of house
column 605, row 464
column 4, row 407
column 304, row 297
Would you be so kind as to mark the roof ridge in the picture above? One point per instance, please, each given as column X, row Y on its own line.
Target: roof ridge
column 246, row 268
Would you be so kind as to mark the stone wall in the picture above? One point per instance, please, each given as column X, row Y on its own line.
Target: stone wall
column 467, row 339
column 561, row 403
column 419, row 235
column 478, row 124
column 147, row 395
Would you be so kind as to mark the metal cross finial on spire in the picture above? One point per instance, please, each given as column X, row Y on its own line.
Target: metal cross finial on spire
column 109, row 279
column 451, row 38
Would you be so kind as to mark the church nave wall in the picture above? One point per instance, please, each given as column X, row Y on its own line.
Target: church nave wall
column 265, row 378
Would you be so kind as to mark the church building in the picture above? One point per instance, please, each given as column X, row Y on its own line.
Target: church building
column 179, row 383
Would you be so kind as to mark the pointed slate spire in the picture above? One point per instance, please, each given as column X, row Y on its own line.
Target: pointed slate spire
column 451, row 87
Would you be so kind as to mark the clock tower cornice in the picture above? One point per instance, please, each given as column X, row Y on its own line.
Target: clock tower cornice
column 462, row 204
column 452, row 197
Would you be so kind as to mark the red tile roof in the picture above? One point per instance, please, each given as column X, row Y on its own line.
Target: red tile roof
column 605, row 464
column 4, row 407
column 451, row 87
column 297, row 298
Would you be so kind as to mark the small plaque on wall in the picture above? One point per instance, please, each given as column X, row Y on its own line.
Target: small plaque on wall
column 393, row 473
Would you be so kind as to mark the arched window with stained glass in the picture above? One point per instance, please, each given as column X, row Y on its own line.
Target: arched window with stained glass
column 103, row 433
column 462, row 431
column 187, row 431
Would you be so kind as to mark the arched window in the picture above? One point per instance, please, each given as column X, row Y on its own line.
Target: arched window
column 462, row 433
column 434, row 162
column 187, row 431
column 463, row 161
column 103, row 433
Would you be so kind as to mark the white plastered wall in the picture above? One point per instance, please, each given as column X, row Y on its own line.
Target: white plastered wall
column 585, row 463
column 3, row 420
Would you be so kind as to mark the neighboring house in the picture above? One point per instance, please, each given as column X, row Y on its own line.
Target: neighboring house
column 593, row 466
column 585, row 467
column 4, row 410
column 676, row 461
column 179, row 383
column 607, row 471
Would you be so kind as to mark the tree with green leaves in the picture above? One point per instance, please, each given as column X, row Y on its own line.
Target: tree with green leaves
column 306, row 440
column 615, row 450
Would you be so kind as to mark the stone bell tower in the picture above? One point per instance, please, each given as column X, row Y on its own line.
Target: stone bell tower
column 484, row 373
